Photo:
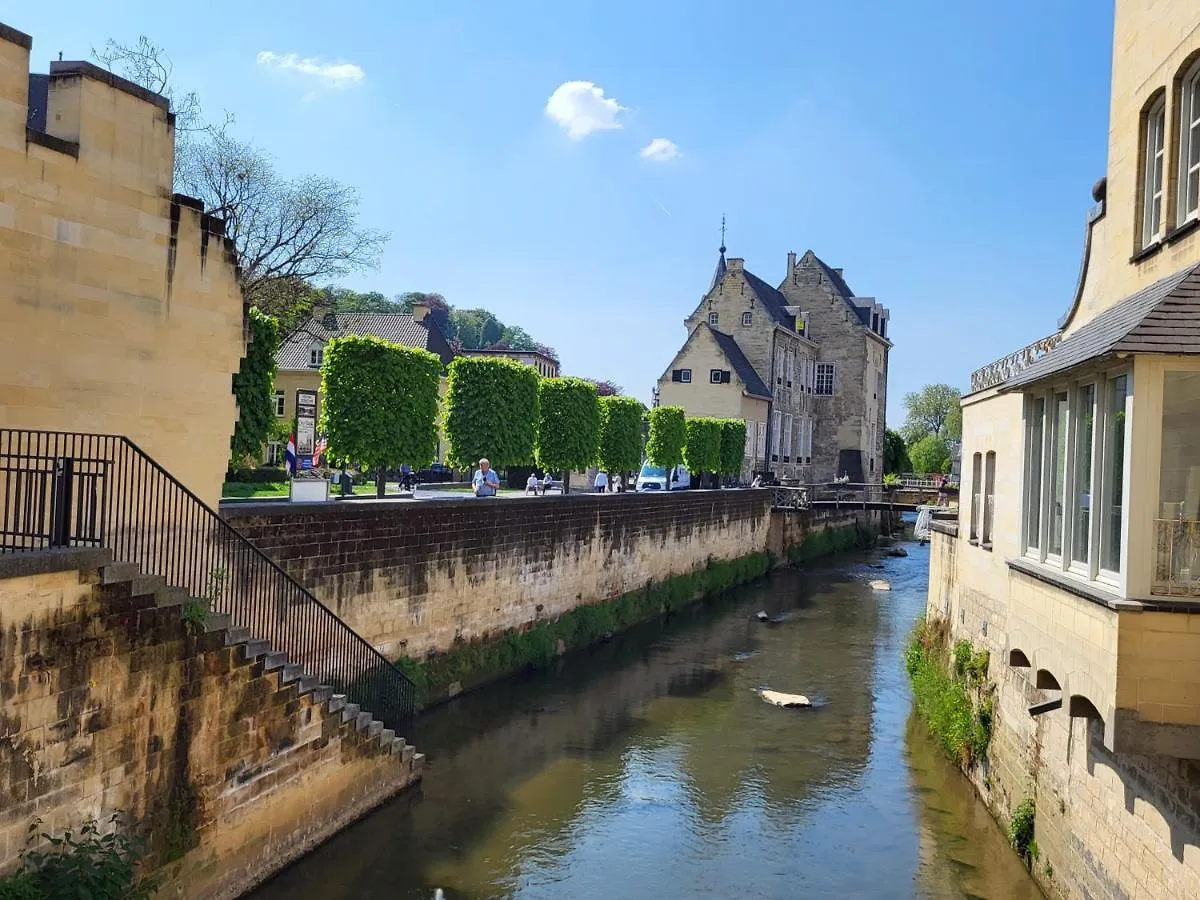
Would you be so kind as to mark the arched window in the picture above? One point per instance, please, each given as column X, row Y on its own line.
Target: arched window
column 1189, row 144
column 1154, row 131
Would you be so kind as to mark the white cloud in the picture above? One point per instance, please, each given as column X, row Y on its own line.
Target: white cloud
column 661, row 150
column 334, row 75
column 580, row 107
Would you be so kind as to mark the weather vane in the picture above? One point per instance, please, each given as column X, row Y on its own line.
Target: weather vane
column 722, row 232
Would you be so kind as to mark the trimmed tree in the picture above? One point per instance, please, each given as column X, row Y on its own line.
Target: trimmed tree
column 702, row 446
column 733, row 446
column 379, row 404
column 667, row 433
column 253, row 386
column 491, row 411
column 620, row 434
column 568, row 433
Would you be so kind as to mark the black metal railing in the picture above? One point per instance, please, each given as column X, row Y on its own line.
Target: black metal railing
column 91, row 490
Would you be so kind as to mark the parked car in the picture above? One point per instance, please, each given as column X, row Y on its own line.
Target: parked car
column 655, row 478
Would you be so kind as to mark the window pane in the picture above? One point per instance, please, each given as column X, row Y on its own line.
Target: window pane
column 1058, row 475
column 1193, row 186
column 1114, row 474
column 976, row 493
column 1082, row 525
column 1037, row 427
column 989, row 496
column 1177, row 531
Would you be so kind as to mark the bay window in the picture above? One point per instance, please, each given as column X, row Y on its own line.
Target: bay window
column 1177, row 526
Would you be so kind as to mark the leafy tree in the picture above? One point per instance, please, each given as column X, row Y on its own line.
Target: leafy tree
column 935, row 409
column 553, row 354
column 492, row 411
column 517, row 338
column 439, row 309
column 379, row 403
column 568, row 434
column 733, row 446
column 895, row 454
column 667, row 435
column 620, row 434
column 605, row 388
column 929, row 454
column 702, row 445
column 345, row 300
column 253, row 386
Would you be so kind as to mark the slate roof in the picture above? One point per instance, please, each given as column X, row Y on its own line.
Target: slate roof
column 839, row 284
column 739, row 363
column 400, row 328
column 720, row 270
column 772, row 301
column 1161, row 318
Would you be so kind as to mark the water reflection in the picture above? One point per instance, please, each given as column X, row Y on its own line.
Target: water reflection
column 649, row 768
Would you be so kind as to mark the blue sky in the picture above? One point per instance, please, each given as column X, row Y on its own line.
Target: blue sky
column 941, row 153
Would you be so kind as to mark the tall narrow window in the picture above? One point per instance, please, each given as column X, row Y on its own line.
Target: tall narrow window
column 1058, row 474
column 989, row 495
column 1081, row 525
column 1152, row 184
column 749, row 452
column 976, row 493
column 776, row 427
column 1033, row 474
column 787, row 438
column 1189, row 144
column 1114, row 473
column 762, row 441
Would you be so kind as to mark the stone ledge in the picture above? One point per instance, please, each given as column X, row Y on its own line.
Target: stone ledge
column 1093, row 594
column 41, row 562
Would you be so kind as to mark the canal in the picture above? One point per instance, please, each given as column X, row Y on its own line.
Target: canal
column 648, row 767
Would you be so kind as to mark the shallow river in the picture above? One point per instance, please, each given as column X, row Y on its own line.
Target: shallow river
column 648, row 767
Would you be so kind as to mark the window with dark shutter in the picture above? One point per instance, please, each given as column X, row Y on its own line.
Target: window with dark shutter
column 726, row 377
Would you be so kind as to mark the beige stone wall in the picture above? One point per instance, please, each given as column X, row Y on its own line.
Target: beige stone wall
column 121, row 308
column 109, row 703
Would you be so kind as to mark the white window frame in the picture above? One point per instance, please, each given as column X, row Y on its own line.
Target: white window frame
column 762, row 442
column 713, row 318
column 787, row 437
column 1154, row 174
column 316, row 356
column 826, row 370
column 749, row 452
column 715, row 376
column 685, row 376
column 278, row 403
column 747, row 318
column 1084, row 567
column 777, row 426
column 1189, row 136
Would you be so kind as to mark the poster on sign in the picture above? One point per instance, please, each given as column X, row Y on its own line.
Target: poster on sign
column 306, row 423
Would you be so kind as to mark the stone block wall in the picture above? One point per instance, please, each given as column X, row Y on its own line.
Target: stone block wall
column 415, row 578
column 111, row 703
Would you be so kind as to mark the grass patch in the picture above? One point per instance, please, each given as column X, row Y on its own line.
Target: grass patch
column 951, row 691
column 243, row 490
column 472, row 663
column 829, row 541
column 1020, row 830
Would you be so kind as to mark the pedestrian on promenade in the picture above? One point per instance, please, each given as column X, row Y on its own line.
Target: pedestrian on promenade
column 485, row 481
column 618, row 484
column 600, row 485
column 531, row 484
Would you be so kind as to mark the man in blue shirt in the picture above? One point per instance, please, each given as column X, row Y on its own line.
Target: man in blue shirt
column 485, row 481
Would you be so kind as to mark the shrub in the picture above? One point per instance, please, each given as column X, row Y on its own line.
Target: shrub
column 568, row 432
column 702, row 445
column 253, row 386
column 667, row 435
column 491, row 410
column 1020, row 828
column 620, row 434
column 957, row 710
column 733, row 446
column 260, row 475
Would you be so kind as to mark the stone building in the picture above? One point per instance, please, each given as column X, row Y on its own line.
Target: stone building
column 120, row 303
column 1076, row 557
column 547, row 366
column 804, row 364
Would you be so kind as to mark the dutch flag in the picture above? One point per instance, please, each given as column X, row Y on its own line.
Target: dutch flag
column 289, row 455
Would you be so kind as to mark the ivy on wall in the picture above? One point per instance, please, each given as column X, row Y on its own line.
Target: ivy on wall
column 667, row 435
column 491, row 411
column 568, row 431
column 620, row 434
column 253, row 386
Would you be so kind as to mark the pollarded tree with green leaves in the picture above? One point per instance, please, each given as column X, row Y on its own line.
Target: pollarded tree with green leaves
column 733, row 446
column 620, row 434
column 491, row 411
column 254, row 386
column 379, row 403
column 667, row 433
column 568, row 434
column 702, row 445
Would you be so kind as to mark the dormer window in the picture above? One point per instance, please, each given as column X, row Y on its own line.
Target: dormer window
column 713, row 318
column 316, row 356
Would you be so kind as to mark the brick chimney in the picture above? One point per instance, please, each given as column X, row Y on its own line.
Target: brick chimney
column 791, row 261
column 837, row 272
column 420, row 310
column 735, row 264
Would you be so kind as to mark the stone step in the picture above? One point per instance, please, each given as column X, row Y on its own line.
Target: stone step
column 165, row 597
column 274, row 660
column 308, row 685
column 363, row 721
column 117, row 573
column 291, row 672
column 236, row 636
column 349, row 712
column 374, row 728
column 386, row 737
column 252, row 650
column 217, row 621
column 407, row 753
column 322, row 693
column 337, row 702
column 418, row 762
column 146, row 585
column 397, row 746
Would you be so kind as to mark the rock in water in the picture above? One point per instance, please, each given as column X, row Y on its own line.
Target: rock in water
column 787, row 701
column 880, row 585
column 762, row 616
column 897, row 551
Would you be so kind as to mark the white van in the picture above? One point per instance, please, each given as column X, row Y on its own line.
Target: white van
column 654, row 478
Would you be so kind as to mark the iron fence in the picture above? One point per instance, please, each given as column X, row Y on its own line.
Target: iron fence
column 90, row 490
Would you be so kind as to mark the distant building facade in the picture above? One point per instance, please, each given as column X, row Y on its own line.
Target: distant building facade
column 804, row 364
column 546, row 365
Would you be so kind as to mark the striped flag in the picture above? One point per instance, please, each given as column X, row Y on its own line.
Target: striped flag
column 318, row 450
column 289, row 455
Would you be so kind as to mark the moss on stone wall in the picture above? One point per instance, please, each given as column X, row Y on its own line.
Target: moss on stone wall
column 828, row 541
column 473, row 663
column 951, row 691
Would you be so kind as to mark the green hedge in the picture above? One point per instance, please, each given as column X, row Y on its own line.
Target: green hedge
column 260, row 475
column 253, row 386
column 568, row 435
column 491, row 411
column 733, row 446
column 667, row 436
column 702, row 445
column 620, row 434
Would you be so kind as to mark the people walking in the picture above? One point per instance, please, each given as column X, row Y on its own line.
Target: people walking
column 485, row 481
column 618, row 485
column 600, row 485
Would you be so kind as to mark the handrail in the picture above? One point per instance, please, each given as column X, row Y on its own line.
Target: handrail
column 1006, row 367
column 71, row 489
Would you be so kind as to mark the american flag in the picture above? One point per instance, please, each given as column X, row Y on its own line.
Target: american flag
column 289, row 455
column 318, row 450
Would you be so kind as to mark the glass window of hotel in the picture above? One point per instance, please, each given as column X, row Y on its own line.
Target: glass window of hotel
column 1189, row 144
column 1152, row 186
column 1177, row 528
column 1075, row 476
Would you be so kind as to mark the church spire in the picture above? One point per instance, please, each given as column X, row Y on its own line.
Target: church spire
column 720, row 272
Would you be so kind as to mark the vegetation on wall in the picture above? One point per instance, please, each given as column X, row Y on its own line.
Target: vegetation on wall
column 733, row 446
column 254, row 386
column 951, row 691
column 828, row 541
column 568, row 433
column 491, row 411
column 380, row 403
column 620, row 434
column 479, row 661
column 1020, row 829
column 667, row 435
column 702, row 445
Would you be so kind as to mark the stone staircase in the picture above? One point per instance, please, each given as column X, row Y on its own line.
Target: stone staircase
column 126, row 587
